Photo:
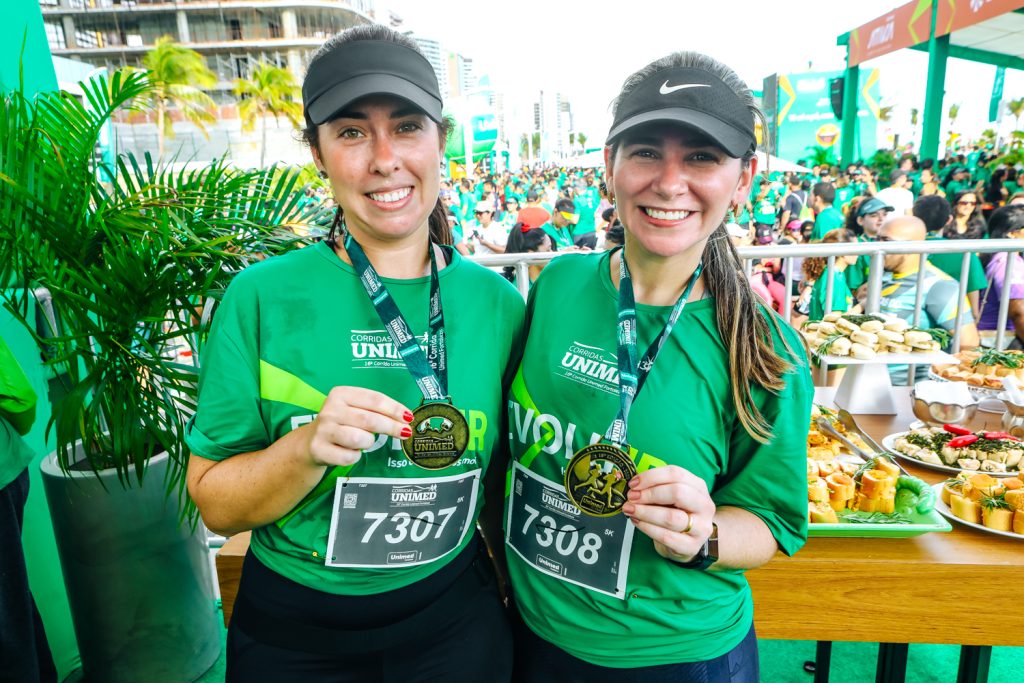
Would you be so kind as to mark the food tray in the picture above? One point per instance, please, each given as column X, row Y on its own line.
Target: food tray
column 924, row 358
column 889, row 442
column 944, row 510
column 918, row 524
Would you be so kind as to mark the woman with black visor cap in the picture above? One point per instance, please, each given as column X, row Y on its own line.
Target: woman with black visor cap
column 658, row 424
column 351, row 400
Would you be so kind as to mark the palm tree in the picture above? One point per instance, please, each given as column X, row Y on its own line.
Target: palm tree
column 582, row 139
column 1016, row 109
column 914, row 113
column 954, row 111
column 176, row 75
column 535, row 138
column 270, row 90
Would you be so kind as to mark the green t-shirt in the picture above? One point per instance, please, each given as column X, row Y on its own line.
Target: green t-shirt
column 17, row 413
column 955, row 186
column 842, row 298
column 566, row 395
column 561, row 237
column 952, row 265
column 857, row 274
column 844, row 195
column 279, row 345
column 586, row 204
column 764, row 212
column 827, row 220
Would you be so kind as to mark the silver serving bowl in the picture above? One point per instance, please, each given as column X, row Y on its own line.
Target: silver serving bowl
column 938, row 414
column 1015, row 409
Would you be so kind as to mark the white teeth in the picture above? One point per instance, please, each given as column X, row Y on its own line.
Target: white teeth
column 395, row 196
column 667, row 215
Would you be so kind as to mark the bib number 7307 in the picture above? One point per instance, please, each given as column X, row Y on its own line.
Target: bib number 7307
column 380, row 522
column 553, row 536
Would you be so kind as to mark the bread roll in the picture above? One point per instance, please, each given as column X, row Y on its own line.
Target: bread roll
column 841, row 347
column 833, row 316
column 914, row 337
column 861, row 351
column 889, row 337
column 898, row 348
column 826, row 328
column 846, row 326
column 999, row 519
column 865, row 338
column 896, row 324
column 873, row 326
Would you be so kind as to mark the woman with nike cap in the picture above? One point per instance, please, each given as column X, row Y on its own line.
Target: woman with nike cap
column 348, row 412
column 658, row 424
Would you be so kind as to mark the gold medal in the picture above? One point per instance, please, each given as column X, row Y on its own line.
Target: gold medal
column 439, row 436
column 597, row 479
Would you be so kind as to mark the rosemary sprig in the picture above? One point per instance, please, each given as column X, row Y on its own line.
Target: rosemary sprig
column 994, row 357
column 995, row 503
column 861, row 319
column 858, row 517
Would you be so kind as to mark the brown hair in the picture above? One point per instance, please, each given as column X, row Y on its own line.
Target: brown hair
column 440, row 231
column 814, row 266
column 743, row 321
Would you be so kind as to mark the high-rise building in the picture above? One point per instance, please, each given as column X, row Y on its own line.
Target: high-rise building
column 232, row 35
column 438, row 58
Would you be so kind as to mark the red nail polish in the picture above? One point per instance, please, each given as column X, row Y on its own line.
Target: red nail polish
column 406, row 432
column 407, row 416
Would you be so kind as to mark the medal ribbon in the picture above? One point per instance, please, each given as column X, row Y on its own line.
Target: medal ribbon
column 430, row 370
column 632, row 374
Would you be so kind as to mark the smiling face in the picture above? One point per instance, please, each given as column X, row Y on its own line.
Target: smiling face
column 673, row 187
column 382, row 157
column 872, row 222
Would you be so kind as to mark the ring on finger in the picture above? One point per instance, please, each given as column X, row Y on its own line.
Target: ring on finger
column 689, row 522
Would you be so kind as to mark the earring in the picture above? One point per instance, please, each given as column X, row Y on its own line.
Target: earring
column 322, row 174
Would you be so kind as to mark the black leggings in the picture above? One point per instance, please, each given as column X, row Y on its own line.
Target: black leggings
column 470, row 643
column 538, row 661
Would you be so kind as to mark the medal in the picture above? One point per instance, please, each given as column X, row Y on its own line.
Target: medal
column 597, row 478
column 439, row 435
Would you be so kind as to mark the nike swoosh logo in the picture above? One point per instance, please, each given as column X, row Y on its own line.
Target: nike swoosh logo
column 667, row 89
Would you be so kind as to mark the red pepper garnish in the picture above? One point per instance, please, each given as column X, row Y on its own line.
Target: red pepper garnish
column 957, row 429
column 999, row 435
column 962, row 441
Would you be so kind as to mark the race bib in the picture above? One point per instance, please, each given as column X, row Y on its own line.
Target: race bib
column 552, row 535
column 379, row 522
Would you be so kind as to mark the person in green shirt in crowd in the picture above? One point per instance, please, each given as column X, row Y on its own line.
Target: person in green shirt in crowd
column 937, row 217
column 814, row 269
column 363, row 506
column 864, row 219
column 655, row 590
column 586, row 201
column 961, row 181
column 845, row 191
column 827, row 217
column 562, row 225
column 24, row 650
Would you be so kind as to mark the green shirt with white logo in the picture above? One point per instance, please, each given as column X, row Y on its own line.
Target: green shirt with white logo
column 565, row 397
column 829, row 219
column 586, row 203
column 295, row 326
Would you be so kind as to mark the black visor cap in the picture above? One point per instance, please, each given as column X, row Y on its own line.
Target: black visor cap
column 369, row 67
column 693, row 98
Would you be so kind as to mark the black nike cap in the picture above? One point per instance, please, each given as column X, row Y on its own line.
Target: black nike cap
column 361, row 68
column 691, row 97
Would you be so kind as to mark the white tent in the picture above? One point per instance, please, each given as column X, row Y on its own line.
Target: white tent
column 774, row 163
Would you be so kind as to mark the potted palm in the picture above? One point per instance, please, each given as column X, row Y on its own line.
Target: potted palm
column 132, row 268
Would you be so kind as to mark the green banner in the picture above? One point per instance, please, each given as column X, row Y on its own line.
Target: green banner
column 807, row 129
column 997, row 93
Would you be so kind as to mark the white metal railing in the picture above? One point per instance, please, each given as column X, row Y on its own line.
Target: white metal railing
column 875, row 250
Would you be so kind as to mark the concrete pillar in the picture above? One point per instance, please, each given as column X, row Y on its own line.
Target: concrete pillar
column 288, row 24
column 938, row 53
column 295, row 64
column 68, row 24
column 851, row 86
column 183, row 33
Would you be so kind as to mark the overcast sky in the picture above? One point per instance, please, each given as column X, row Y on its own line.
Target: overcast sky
column 585, row 51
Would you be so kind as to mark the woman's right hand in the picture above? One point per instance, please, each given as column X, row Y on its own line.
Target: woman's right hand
column 349, row 422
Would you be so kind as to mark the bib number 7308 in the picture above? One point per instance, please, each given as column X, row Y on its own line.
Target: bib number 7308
column 551, row 534
column 380, row 522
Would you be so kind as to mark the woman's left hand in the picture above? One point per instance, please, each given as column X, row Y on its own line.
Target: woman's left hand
column 672, row 506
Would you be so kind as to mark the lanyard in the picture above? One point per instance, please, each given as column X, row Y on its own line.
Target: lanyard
column 430, row 370
column 632, row 375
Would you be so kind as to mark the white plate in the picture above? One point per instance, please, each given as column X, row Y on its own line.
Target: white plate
column 944, row 510
column 889, row 444
column 976, row 392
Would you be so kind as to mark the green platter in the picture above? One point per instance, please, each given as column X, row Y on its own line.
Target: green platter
column 917, row 525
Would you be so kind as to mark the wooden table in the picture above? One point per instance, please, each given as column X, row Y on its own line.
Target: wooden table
column 935, row 588
column 960, row 587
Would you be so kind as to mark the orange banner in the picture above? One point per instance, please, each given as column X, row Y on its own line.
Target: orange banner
column 957, row 14
column 903, row 27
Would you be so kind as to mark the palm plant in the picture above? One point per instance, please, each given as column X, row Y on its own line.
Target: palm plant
column 271, row 90
column 176, row 75
column 1016, row 109
column 952, row 113
column 820, row 155
column 133, row 268
column 582, row 139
